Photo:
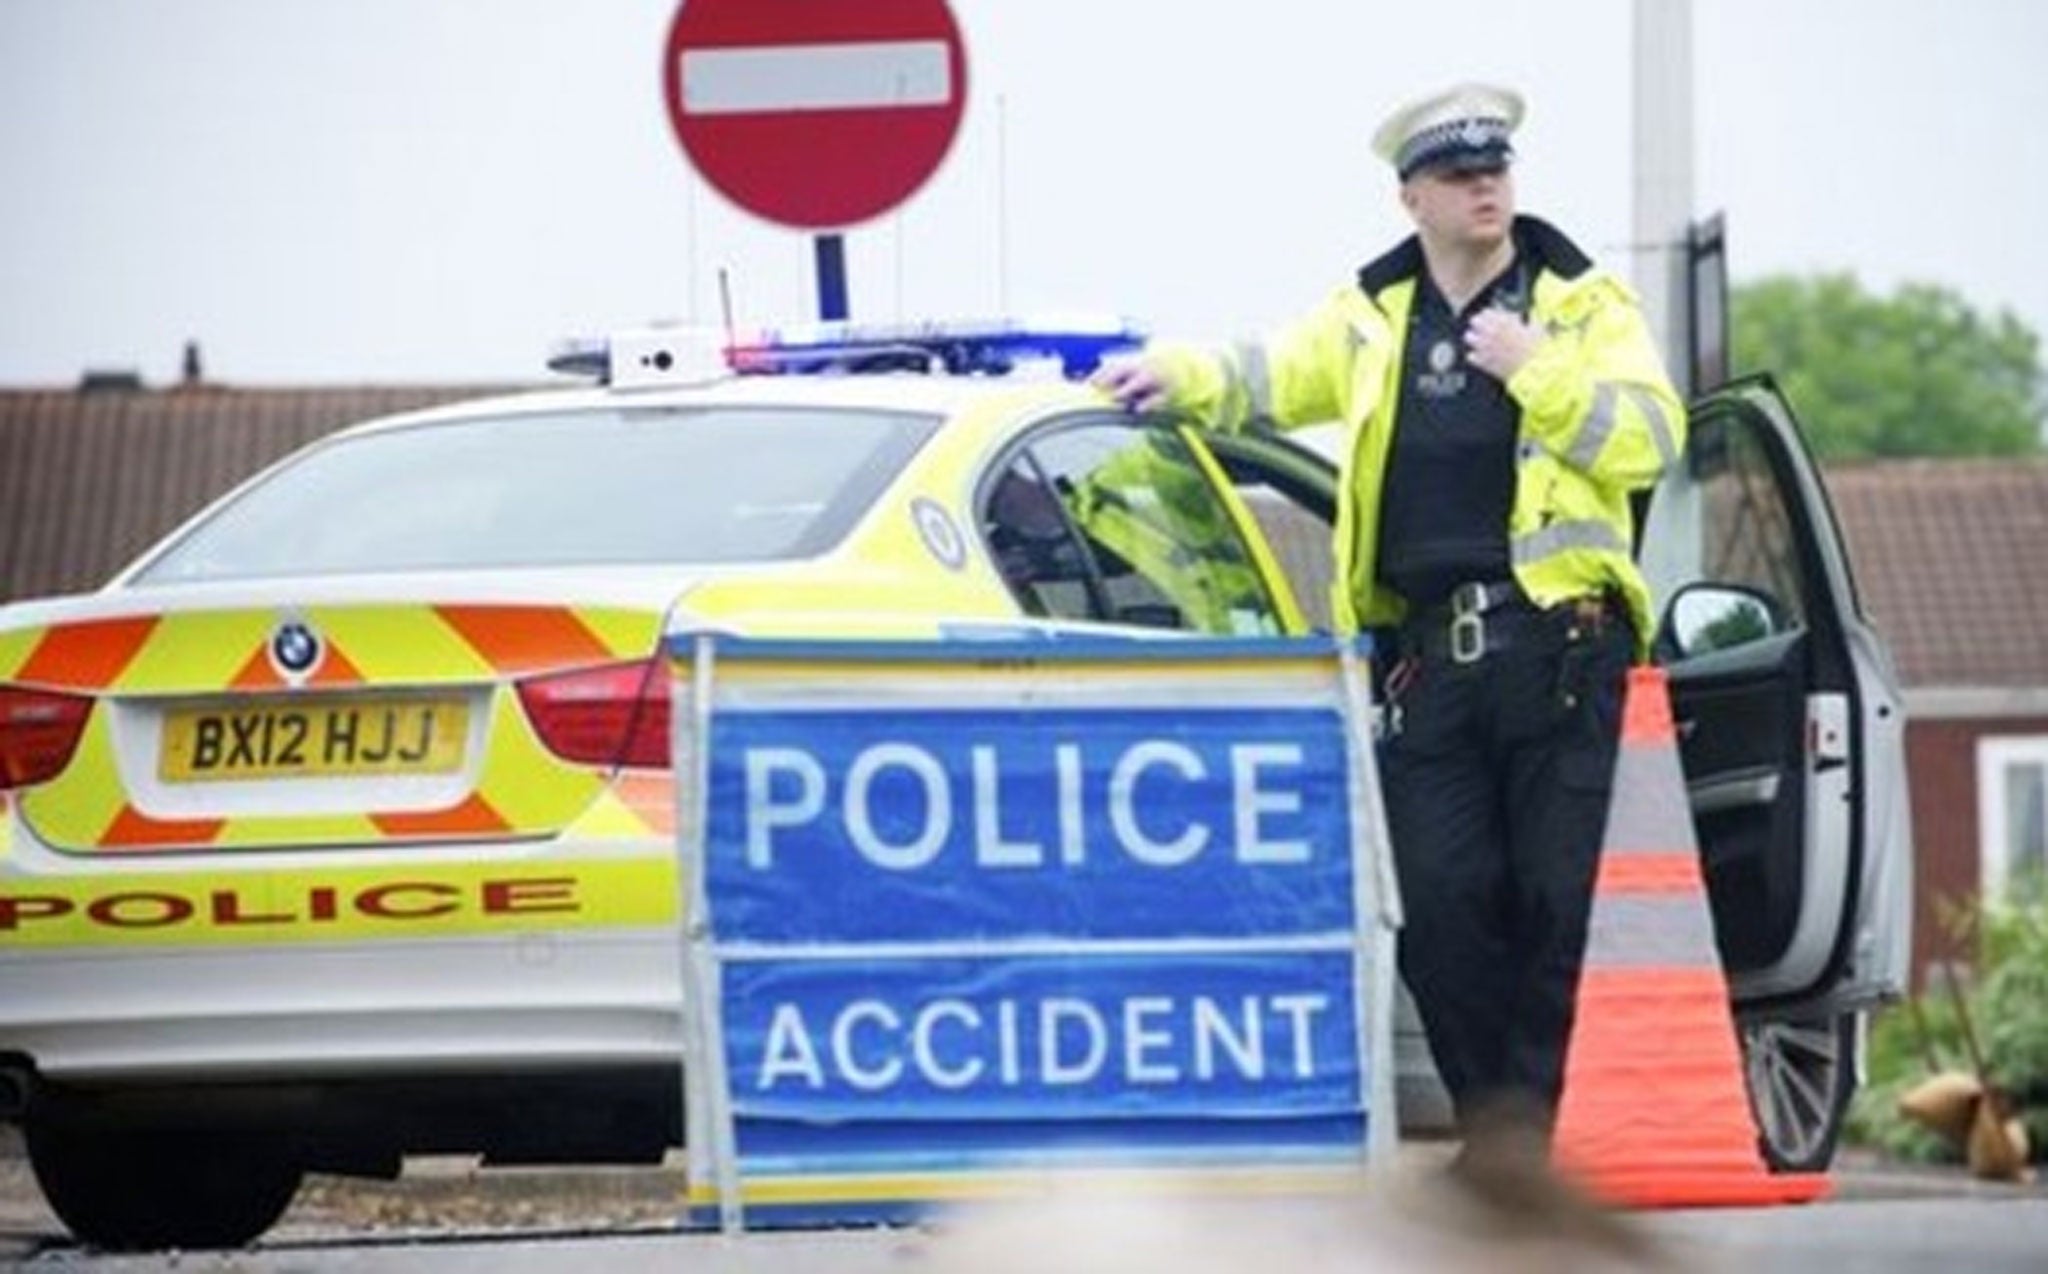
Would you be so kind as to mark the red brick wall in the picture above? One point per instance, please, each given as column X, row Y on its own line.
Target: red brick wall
column 1941, row 757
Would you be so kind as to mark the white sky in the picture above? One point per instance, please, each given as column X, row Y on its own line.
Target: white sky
column 325, row 191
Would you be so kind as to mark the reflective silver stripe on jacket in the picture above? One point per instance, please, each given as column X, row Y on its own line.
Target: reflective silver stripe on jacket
column 1562, row 537
column 1599, row 423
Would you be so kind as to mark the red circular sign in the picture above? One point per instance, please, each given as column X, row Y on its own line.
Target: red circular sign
column 812, row 114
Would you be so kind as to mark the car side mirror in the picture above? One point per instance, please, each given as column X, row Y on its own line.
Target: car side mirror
column 1705, row 617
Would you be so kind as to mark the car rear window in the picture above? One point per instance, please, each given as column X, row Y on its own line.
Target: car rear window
column 572, row 488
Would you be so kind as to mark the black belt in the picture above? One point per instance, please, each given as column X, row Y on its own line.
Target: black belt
column 1485, row 618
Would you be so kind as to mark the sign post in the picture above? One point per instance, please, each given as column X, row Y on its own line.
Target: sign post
column 816, row 116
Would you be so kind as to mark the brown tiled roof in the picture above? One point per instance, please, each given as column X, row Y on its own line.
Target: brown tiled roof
column 89, row 478
column 1952, row 563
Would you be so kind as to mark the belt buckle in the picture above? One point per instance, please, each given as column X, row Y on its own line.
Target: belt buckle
column 1468, row 627
column 1468, row 599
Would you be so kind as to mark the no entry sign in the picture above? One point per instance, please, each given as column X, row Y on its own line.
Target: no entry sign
column 816, row 114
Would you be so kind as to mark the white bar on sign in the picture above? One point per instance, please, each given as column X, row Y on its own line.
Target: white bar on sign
column 816, row 77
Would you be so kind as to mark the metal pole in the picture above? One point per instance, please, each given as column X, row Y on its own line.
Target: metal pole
column 1376, row 890
column 1663, row 176
column 712, row 1145
column 1672, row 546
column 831, row 255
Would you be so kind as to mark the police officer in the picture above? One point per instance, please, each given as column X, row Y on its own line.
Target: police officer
column 1502, row 398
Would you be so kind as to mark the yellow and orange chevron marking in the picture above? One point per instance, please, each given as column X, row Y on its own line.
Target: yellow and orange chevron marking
column 132, row 829
column 259, row 674
column 84, row 656
column 198, row 652
column 526, row 639
column 474, row 817
column 521, row 790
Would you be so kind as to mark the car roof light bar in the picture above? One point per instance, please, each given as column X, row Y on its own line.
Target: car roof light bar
column 643, row 358
column 583, row 356
column 961, row 347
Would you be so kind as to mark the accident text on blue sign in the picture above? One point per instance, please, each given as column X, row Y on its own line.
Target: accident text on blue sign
column 1089, row 1035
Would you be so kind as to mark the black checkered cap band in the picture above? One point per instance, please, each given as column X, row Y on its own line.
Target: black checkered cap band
column 1482, row 139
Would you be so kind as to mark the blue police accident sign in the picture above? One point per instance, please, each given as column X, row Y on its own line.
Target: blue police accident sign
column 969, row 909
column 853, row 826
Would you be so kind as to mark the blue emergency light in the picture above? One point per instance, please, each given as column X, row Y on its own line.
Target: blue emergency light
column 664, row 356
column 961, row 347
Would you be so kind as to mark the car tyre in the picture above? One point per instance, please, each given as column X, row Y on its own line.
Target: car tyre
column 1801, row 1073
column 127, row 1190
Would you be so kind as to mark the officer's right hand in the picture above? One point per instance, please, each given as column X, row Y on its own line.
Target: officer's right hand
column 1134, row 385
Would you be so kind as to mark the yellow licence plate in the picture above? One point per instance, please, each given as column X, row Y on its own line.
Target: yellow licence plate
column 313, row 738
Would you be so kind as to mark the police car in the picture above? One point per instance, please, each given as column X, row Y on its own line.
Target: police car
column 339, row 827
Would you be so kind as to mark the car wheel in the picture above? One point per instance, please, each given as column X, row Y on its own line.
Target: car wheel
column 1801, row 1073
column 130, row 1190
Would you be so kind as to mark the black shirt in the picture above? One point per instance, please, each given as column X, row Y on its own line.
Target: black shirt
column 1451, row 475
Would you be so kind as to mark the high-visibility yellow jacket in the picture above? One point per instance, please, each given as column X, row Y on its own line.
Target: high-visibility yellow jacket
column 1599, row 419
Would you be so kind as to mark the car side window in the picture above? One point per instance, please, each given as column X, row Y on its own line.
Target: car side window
column 1145, row 538
column 1036, row 546
column 1748, row 532
column 1300, row 540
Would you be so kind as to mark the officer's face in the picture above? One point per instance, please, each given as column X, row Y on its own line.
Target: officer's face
column 1462, row 208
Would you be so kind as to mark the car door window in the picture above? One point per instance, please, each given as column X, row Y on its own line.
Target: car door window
column 1142, row 535
column 1291, row 495
column 1749, row 536
column 1036, row 546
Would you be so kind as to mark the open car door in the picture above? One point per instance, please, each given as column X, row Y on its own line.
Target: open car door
column 1792, row 737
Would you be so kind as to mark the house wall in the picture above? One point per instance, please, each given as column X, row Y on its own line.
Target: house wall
column 1941, row 757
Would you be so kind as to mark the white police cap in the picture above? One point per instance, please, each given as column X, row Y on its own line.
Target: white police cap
column 1465, row 129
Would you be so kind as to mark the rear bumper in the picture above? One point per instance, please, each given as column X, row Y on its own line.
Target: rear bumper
column 261, row 966
column 526, row 1002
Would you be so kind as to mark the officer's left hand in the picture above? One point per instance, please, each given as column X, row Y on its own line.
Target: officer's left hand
column 1499, row 341
column 1135, row 385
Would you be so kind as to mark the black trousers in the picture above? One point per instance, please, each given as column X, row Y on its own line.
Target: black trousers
column 1497, row 781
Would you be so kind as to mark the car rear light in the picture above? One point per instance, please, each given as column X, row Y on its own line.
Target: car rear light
column 39, row 730
column 614, row 715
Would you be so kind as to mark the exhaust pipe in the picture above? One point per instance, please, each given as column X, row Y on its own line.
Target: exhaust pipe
column 17, row 1087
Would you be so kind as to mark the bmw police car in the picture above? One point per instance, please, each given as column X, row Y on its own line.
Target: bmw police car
column 339, row 827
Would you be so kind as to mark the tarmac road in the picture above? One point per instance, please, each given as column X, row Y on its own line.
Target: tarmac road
column 445, row 1214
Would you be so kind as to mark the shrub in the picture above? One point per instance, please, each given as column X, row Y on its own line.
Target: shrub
column 2007, row 1002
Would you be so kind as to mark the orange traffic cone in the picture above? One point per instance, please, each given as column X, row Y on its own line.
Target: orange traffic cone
column 1653, row 1112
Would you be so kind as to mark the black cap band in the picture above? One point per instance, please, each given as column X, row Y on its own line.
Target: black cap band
column 1468, row 145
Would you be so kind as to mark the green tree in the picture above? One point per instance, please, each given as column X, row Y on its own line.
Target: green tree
column 1917, row 373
